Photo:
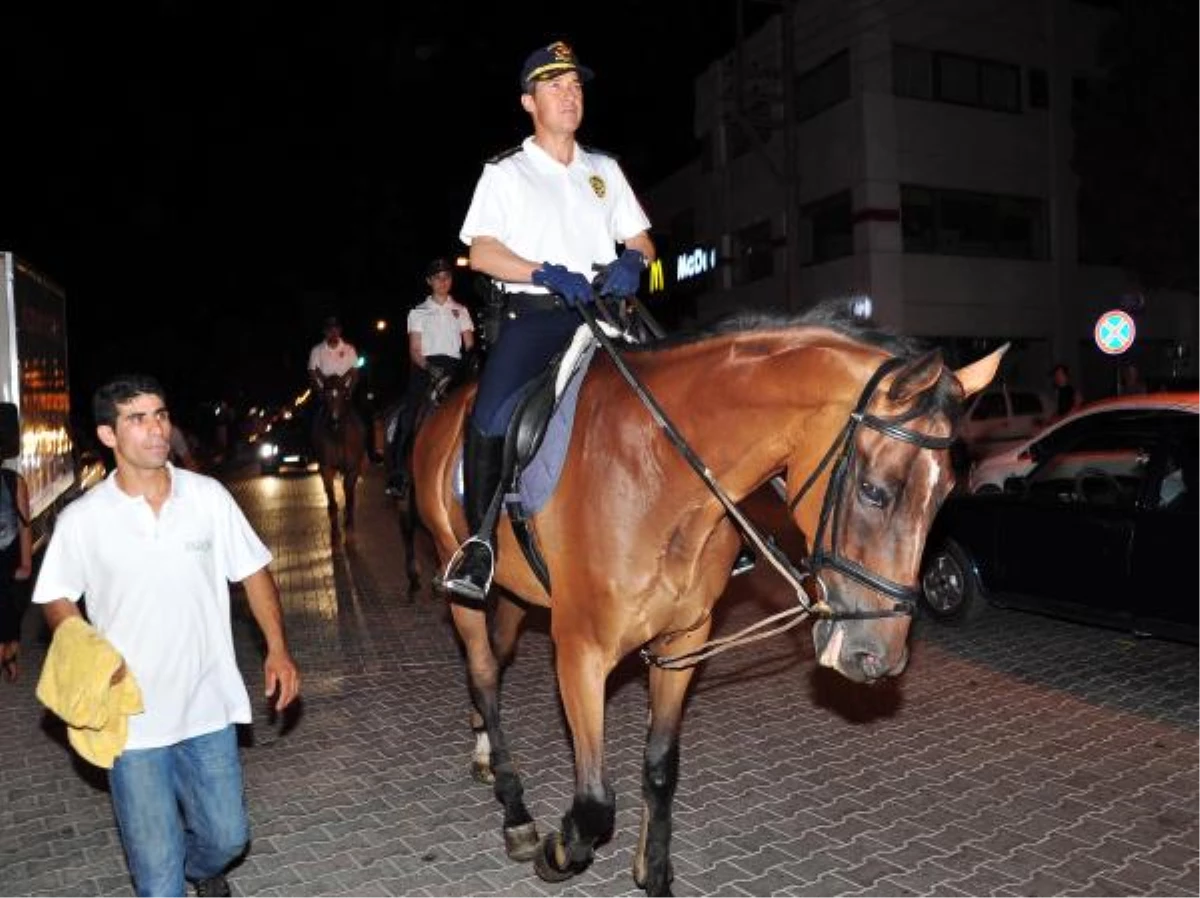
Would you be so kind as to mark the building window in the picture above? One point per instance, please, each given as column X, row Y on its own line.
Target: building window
column 953, row 78
column 959, row 222
column 822, row 87
column 830, row 226
column 1039, row 89
column 912, row 72
column 755, row 254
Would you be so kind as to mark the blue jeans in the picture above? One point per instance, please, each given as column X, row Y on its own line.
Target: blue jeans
column 180, row 811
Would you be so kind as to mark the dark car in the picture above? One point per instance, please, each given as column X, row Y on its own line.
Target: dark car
column 1103, row 529
column 287, row 445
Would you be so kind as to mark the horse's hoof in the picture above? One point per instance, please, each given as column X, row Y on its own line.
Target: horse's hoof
column 546, row 862
column 640, row 879
column 482, row 773
column 521, row 842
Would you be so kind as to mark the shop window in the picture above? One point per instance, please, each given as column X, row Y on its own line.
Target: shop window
column 822, row 87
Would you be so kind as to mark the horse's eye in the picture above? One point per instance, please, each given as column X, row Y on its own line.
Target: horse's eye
column 872, row 494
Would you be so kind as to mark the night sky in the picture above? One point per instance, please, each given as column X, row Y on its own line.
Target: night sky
column 207, row 181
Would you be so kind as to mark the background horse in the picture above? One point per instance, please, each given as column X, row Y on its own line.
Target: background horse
column 400, row 455
column 340, row 440
column 639, row 548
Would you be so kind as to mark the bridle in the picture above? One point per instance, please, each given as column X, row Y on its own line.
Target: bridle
column 843, row 449
column 904, row 598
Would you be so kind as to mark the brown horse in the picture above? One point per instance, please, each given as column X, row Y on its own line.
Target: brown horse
column 638, row 546
column 340, row 440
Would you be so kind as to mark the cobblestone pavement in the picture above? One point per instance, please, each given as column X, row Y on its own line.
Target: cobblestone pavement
column 1020, row 756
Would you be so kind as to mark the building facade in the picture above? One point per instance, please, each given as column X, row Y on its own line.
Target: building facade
column 919, row 153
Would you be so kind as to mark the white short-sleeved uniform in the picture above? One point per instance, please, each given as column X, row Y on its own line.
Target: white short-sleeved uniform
column 332, row 362
column 545, row 211
column 441, row 326
column 157, row 588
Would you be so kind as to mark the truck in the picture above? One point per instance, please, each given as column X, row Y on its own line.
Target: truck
column 34, row 389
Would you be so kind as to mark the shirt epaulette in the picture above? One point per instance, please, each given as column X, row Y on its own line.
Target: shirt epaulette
column 595, row 152
column 504, row 155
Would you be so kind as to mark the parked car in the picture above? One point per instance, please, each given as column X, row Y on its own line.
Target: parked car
column 989, row 473
column 1102, row 528
column 286, row 445
column 1001, row 417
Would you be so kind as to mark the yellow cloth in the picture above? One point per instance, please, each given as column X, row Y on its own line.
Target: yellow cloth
column 76, row 684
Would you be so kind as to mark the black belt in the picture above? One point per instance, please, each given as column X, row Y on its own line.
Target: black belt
column 524, row 303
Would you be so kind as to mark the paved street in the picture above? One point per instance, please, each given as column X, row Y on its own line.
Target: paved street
column 1021, row 756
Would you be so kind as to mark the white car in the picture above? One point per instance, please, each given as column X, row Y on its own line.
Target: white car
column 1000, row 418
column 988, row 474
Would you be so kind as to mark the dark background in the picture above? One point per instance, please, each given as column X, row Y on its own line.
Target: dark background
column 208, row 180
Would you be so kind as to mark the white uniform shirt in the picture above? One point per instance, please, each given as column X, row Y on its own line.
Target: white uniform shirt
column 335, row 361
column 157, row 588
column 441, row 326
column 545, row 211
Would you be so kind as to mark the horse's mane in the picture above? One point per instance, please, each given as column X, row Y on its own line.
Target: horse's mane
column 838, row 314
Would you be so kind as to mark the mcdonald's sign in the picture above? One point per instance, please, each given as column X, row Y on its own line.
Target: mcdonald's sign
column 658, row 282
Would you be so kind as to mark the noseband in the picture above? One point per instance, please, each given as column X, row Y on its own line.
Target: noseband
column 845, row 448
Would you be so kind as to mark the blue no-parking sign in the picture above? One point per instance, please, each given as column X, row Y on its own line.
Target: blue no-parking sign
column 1115, row 332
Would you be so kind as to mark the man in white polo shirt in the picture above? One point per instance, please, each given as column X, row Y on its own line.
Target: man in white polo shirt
column 154, row 547
column 440, row 330
column 333, row 357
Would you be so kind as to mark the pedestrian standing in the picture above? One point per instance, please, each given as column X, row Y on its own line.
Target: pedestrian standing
column 1067, row 397
column 154, row 548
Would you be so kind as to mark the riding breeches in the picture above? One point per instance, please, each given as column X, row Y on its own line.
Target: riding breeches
column 523, row 349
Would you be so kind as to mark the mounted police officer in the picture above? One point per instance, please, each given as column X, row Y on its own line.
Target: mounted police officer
column 542, row 216
column 440, row 333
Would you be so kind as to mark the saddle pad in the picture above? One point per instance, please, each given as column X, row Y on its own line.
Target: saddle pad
column 539, row 478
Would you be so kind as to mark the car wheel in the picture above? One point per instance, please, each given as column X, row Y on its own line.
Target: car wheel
column 949, row 587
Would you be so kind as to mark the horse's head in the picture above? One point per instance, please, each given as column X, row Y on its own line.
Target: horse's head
column 888, row 472
column 335, row 402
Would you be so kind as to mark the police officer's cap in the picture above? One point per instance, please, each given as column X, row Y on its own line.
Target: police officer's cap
column 438, row 265
column 550, row 62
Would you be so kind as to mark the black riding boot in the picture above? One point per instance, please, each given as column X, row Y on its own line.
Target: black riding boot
column 471, row 573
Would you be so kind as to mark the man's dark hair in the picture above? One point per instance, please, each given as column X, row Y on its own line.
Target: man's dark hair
column 118, row 391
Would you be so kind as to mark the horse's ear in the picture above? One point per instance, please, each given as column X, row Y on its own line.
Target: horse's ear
column 916, row 377
column 977, row 375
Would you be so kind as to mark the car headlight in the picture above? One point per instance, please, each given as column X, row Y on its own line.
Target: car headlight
column 268, row 450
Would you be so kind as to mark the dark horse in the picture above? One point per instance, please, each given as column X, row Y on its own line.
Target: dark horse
column 858, row 425
column 340, row 440
column 402, row 425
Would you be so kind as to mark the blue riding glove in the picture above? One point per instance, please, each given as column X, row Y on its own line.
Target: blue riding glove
column 622, row 277
column 571, row 286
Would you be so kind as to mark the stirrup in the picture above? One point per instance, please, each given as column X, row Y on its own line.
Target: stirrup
column 464, row 586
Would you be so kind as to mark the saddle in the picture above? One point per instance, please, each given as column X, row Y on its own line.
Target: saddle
column 536, row 442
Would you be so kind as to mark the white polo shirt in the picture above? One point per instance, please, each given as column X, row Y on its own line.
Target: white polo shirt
column 332, row 361
column 545, row 211
column 158, row 589
column 441, row 326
